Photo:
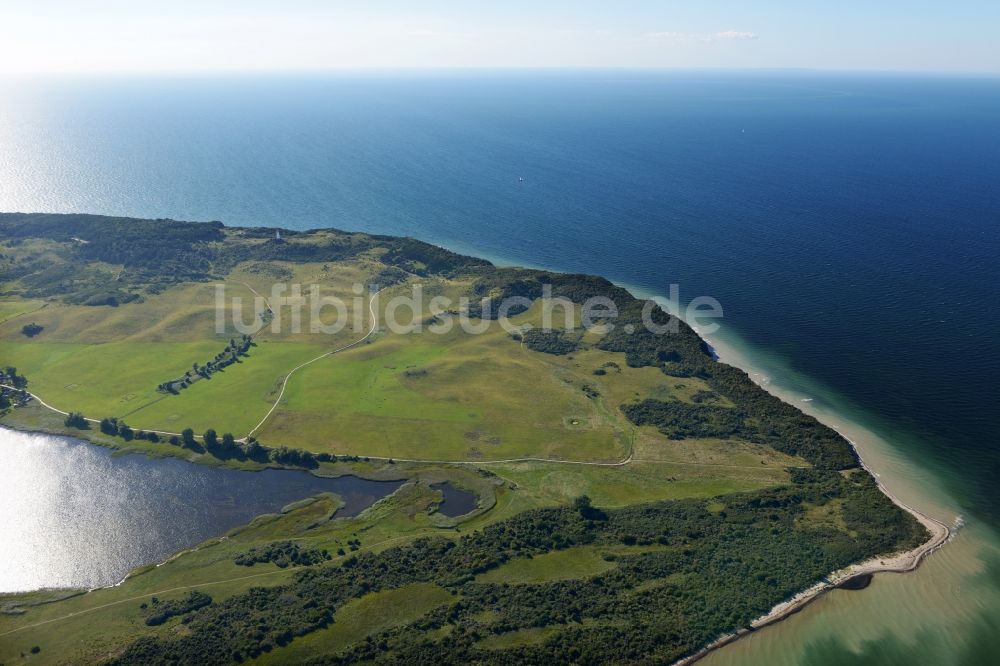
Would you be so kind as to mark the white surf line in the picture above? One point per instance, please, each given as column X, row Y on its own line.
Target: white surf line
column 284, row 382
column 904, row 562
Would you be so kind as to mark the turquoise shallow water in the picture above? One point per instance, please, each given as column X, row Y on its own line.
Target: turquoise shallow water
column 848, row 225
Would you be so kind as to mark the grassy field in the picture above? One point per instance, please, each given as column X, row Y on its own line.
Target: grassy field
column 568, row 564
column 120, row 379
column 455, row 397
column 364, row 617
column 183, row 313
column 637, row 482
column 9, row 309
column 481, row 399
column 427, row 396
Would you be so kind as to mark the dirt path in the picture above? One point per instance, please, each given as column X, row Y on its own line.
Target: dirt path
column 284, row 382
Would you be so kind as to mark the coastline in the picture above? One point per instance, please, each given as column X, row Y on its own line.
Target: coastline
column 898, row 563
column 902, row 562
column 726, row 352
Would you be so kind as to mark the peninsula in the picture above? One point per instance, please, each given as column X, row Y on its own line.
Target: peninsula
column 636, row 499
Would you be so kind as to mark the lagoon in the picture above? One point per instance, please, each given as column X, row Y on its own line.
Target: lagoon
column 79, row 516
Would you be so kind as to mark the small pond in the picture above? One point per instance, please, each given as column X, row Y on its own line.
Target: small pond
column 456, row 502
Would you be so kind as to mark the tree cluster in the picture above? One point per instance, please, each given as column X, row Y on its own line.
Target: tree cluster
column 32, row 329
column 231, row 354
column 9, row 376
column 112, row 425
column 12, row 387
column 76, row 420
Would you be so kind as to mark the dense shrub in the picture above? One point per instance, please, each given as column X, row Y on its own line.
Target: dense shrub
column 164, row 610
column 549, row 342
column 283, row 554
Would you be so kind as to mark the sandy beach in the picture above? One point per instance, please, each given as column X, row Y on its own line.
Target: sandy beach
column 898, row 563
column 894, row 563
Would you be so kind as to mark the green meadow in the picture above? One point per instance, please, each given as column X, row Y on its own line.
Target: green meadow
column 455, row 396
column 580, row 562
column 120, row 379
column 611, row 470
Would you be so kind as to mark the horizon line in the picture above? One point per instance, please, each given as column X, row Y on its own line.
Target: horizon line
column 486, row 69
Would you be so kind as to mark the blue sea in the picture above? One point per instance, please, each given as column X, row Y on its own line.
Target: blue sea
column 848, row 224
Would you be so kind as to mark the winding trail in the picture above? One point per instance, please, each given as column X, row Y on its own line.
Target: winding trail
column 628, row 459
column 41, row 402
column 371, row 331
column 898, row 563
column 284, row 382
column 624, row 461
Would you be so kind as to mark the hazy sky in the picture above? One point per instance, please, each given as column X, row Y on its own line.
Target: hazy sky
column 182, row 35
